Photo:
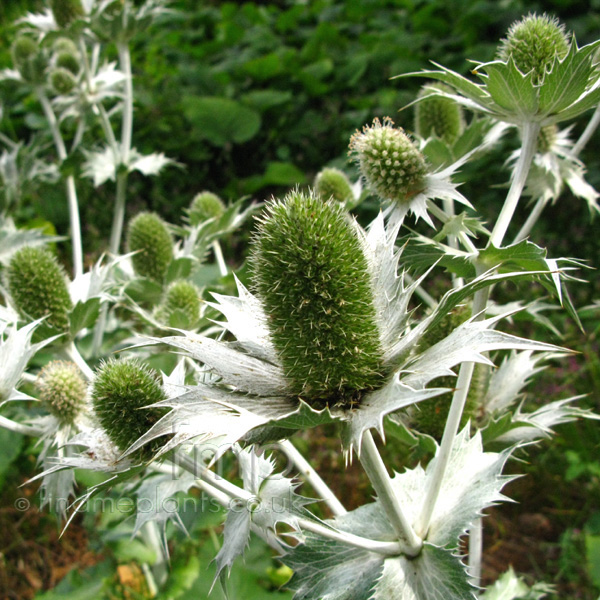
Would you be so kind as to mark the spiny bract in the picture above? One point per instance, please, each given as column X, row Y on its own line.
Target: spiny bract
column 121, row 390
column 38, row 286
column 438, row 116
column 62, row 389
column 149, row 237
column 311, row 275
column 391, row 164
column 534, row 43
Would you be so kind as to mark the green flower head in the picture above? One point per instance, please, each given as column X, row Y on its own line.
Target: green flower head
column 66, row 11
column 181, row 305
column 62, row 390
column 29, row 59
column 150, row 238
column 311, row 275
column 333, row 183
column 392, row 165
column 205, row 205
column 37, row 284
column 121, row 390
column 438, row 116
column 62, row 80
column 534, row 43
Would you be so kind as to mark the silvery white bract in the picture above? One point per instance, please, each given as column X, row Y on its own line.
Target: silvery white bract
column 328, row 569
column 12, row 239
column 510, row 587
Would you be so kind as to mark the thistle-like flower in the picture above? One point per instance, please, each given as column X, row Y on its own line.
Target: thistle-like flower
column 205, row 205
column 438, row 116
column 395, row 169
column 181, row 305
column 333, row 183
column 62, row 390
column 66, row 11
column 62, row 80
column 150, row 239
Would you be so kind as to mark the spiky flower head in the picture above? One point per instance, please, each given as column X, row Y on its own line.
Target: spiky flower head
column 121, row 390
column 392, row 165
column 62, row 389
column 534, row 43
column 150, row 238
column 438, row 116
column 312, row 277
column 29, row 59
column 66, row 11
column 37, row 284
column 205, row 205
column 65, row 44
column 22, row 49
column 181, row 305
column 62, row 80
column 68, row 61
column 333, row 183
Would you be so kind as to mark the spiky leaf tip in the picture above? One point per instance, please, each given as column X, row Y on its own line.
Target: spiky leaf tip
column 62, row 390
column 181, row 305
column 66, row 11
column 333, row 183
column 121, row 390
column 311, row 275
column 393, row 167
column 534, row 43
column 205, row 205
column 438, row 116
column 150, row 238
column 37, row 284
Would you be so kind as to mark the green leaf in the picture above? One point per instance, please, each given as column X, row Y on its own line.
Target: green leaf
column 510, row 89
column 144, row 291
column 523, row 256
column 84, row 315
column 126, row 550
column 277, row 173
column 220, row 120
column 264, row 67
column 180, row 268
column 81, row 585
column 263, row 100
column 11, row 444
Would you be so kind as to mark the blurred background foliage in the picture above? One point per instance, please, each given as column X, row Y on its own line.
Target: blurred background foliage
column 252, row 98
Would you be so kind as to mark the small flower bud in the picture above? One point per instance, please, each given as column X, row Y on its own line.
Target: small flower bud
column 68, row 61
column 37, row 284
column 23, row 49
column 149, row 236
column 65, row 44
column 534, row 43
column 205, row 205
column 311, row 275
column 392, row 165
column 437, row 116
column 333, row 183
column 62, row 80
column 66, row 11
column 121, row 390
column 29, row 59
column 547, row 138
column 62, row 390
column 181, row 305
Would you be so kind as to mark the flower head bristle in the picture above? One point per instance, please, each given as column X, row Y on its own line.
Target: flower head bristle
column 37, row 284
column 150, row 238
column 333, row 183
column 438, row 116
column 534, row 43
column 62, row 390
column 311, row 275
column 391, row 164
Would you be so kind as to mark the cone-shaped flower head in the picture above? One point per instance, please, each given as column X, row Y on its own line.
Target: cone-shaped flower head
column 149, row 237
column 38, row 286
column 311, row 275
column 121, row 390
column 333, row 183
column 534, row 43
column 392, row 165
column 181, row 305
column 29, row 59
column 438, row 116
column 66, row 11
column 62, row 389
column 205, row 205
column 62, row 80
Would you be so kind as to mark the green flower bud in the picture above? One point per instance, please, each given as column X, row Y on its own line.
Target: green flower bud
column 333, row 183
column 68, row 61
column 547, row 138
column 62, row 390
column 181, row 305
column 121, row 390
column 37, row 284
column 62, row 80
column 29, row 59
column 23, row 49
column 311, row 275
column 66, row 11
column 392, row 165
column 149, row 236
column 205, row 205
column 534, row 43
column 66, row 45
column 437, row 116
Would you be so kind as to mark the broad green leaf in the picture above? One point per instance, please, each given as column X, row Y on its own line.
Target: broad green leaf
column 220, row 120
column 510, row 89
column 180, row 268
column 84, row 315
column 523, row 256
column 144, row 291
column 277, row 173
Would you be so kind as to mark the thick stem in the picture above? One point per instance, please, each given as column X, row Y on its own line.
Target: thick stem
column 380, row 479
column 19, row 428
column 475, row 551
column 530, row 133
column 75, row 356
column 313, row 478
